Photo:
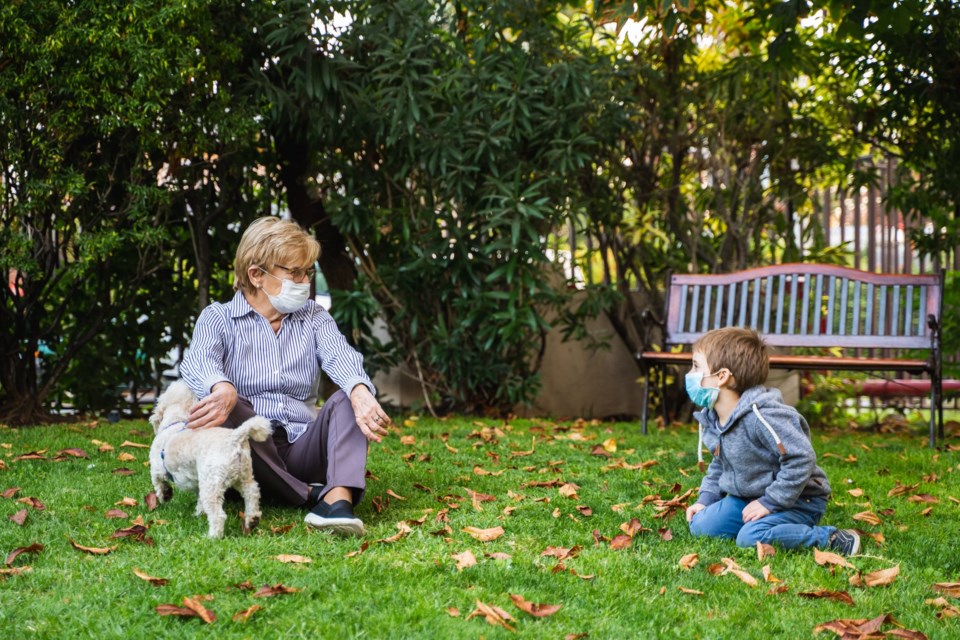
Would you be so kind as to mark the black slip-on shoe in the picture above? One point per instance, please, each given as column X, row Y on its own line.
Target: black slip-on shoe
column 845, row 541
column 337, row 517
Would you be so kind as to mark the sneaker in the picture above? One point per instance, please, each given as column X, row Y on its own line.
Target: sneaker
column 337, row 517
column 313, row 495
column 845, row 541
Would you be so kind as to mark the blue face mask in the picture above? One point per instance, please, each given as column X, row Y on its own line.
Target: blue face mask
column 701, row 396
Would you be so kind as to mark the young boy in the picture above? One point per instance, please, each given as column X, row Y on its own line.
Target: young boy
column 763, row 484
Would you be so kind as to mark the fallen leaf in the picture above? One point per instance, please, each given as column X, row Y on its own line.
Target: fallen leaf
column 689, row 561
column 569, row 490
column 692, row 592
column 453, row 612
column 202, row 612
column 839, row 596
column 14, row 571
column 621, row 541
column 116, row 513
column 856, row 493
column 947, row 610
column 403, row 530
column 828, row 557
column 126, row 502
column 293, row 559
column 562, row 553
column 363, row 547
column 135, row 445
column 902, row 490
column 9, row 493
column 876, row 578
column 75, row 453
column 32, row 455
column 151, row 501
column 278, row 589
column 174, row 610
column 283, row 528
column 126, row 457
column 585, row 511
column 97, row 551
column 665, row 534
column 533, row 608
column 610, row 445
column 951, row 589
column 768, row 575
column 493, row 615
column 19, row 517
column 498, row 555
column 36, row 547
column 633, row 527
column 408, row 440
column 157, row 582
column 869, row 517
column 465, row 559
column 394, row 495
column 32, row 502
column 765, row 551
column 484, row 535
column 243, row 616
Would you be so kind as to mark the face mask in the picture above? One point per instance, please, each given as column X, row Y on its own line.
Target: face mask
column 701, row 396
column 292, row 295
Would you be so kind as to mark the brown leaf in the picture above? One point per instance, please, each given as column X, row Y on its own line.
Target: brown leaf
column 243, row 616
column 157, row 582
column 947, row 610
column 951, row 589
column 174, row 610
column 876, row 578
column 465, row 559
column 828, row 557
column 692, row 592
column 32, row 502
column 562, row 553
column 839, row 596
column 194, row 605
column 36, row 547
column 869, row 517
column 97, row 551
column 280, row 530
column 453, row 612
column 498, row 555
column 278, row 589
column 902, row 490
column 19, row 517
column 665, row 534
column 14, row 571
column 134, row 445
column 123, row 471
column 585, row 511
column 633, row 527
column 75, row 453
column 363, row 547
column 293, row 559
column 126, row 502
column 391, row 493
column 484, row 535
column 9, row 493
column 768, row 575
column 535, row 609
column 569, row 490
column 137, row 532
column 403, row 530
column 765, row 551
column 621, row 541
column 689, row 561
column 493, row 615
column 151, row 501
column 33, row 455
column 856, row 493
column 924, row 497
column 126, row 457
column 116, row 513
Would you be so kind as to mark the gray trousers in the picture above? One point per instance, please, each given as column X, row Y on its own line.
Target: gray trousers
column 332, row 451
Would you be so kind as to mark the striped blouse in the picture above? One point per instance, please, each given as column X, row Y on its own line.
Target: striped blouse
column 278, row 372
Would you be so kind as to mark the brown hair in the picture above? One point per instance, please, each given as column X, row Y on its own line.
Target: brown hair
column 269, row 241
column 741, row 351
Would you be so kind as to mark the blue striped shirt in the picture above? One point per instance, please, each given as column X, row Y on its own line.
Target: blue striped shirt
column 278, row 372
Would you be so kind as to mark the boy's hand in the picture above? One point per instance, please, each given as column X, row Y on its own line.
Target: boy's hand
column 694, row 509
column 754, row 511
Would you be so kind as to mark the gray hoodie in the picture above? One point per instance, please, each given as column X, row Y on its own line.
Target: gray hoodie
column 763, row 452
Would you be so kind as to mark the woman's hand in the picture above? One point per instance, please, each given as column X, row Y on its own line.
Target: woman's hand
column 694, row 509
column 371, row 418
column 754, row 511
column 213, row 410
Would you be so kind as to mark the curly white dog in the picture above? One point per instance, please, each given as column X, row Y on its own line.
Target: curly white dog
column 208, row 461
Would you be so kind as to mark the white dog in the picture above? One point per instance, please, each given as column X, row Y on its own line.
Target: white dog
column 208, row 461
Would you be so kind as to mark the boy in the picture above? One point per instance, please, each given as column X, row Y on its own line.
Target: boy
column 763, row 484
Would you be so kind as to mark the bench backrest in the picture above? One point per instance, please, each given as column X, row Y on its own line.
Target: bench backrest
column 807, row 305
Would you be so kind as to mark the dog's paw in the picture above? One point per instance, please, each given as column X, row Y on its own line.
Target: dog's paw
column 165, row 493
column 249, row 524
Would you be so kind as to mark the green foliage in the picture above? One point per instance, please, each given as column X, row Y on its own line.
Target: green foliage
column 405, row 588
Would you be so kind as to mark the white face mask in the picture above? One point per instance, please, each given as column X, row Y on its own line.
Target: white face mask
column 292, row 296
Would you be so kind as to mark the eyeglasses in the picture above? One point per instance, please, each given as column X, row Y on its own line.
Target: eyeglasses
column 298, row 274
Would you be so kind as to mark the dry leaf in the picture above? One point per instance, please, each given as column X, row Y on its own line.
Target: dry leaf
column 493, row 615
column 174, row 610
column 202, row 612
column 75, row 453
column 869, row 517
column 839, row 596
column 453, row 612
column 562, row 553
column 126, row 502
column 765, row 551
column 689, row 561
column 633, row 527
column 394, row 495
column 828, row 557
column 136, row 445
column 14, row 571
column 767, row 575
column 9, row 493
column 856, row 493
column 621, row 541
column 692, row 592
column 464, row 560
column 151, row 501
column 126, row 457
column 36, row 547
column 116, row 514
column 951, row 589
column 243, row 616
column 484, row 535
column 157, row 582
column 97, row 551
column 498, row 555
column 569, row 490
column 534, row 609
column 19, row 517
column 293, row 559
column 876, row 578
column 267, row 591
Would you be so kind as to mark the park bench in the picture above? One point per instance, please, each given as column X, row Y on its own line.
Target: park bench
column 837, row 312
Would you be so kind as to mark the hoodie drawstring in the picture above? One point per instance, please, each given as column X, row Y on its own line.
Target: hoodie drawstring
column 769, row 427
column 700, row 464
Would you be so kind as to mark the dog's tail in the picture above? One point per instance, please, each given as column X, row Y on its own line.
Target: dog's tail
column 256, row 428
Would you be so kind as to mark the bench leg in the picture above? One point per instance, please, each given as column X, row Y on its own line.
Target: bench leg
column 646, row 400
column 663, row 396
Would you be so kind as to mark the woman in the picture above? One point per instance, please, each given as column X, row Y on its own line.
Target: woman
column 261, row 353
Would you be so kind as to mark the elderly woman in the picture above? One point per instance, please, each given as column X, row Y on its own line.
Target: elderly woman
column 261, row 353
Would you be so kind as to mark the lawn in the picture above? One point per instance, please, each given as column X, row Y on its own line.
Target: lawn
column 592, row 522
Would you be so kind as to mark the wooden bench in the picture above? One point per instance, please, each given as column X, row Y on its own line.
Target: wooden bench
column 812, row 306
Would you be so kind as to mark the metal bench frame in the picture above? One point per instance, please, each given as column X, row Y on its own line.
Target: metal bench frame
column 811, row 305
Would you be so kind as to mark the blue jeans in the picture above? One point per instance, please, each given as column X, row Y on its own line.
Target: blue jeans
column 796, row 527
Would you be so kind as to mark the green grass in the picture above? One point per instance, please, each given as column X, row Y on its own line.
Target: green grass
column 405, row 588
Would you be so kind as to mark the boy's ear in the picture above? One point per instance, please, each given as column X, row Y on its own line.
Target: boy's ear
column 725, row 379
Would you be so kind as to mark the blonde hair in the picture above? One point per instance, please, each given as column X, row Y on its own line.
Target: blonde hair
column 741, row 351
column 269, row 241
